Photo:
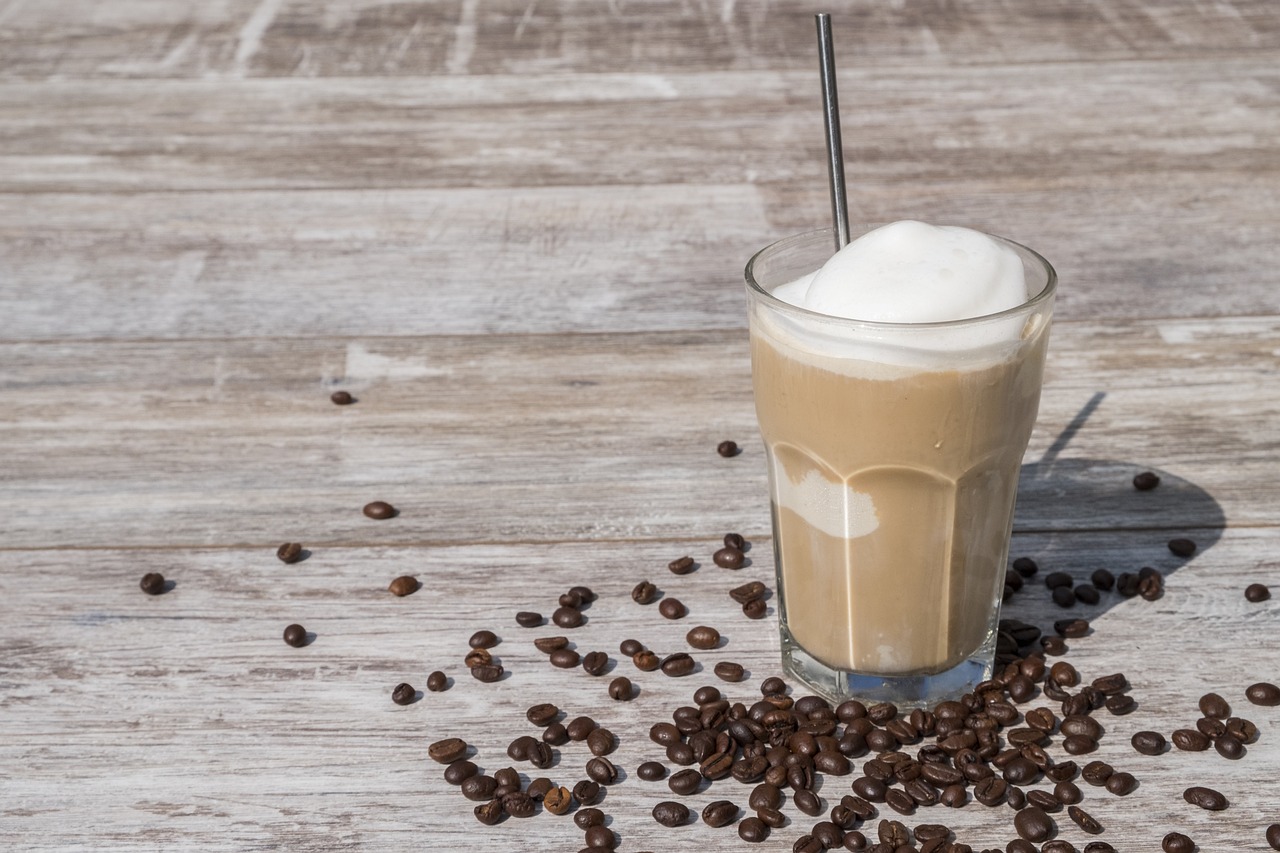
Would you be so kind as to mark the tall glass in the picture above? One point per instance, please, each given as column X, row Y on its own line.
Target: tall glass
column 893, row 453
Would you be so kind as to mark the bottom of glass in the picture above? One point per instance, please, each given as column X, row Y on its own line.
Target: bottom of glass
column 905, row 691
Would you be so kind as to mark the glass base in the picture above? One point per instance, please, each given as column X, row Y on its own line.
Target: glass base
column 905, row 691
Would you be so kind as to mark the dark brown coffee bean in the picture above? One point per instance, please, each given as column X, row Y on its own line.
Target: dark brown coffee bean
column 729, row 558
column 152, row 583
column 1146, row 481
column 765, row 796
column 808, row 802
column 685, row 782
column 621, row 689
column 1121, row 704
column 755, row 609
column 571, row 599
column 539, row 788
column 580, row 728
column 483, row 640
column 587, row 818
column 565, row 658
column 703, row 637
column 748, row 592
column 1020, row 771
column 735, row 540
column 488, row 673
column 1149, row 743
column 720, row 813
column 542, row 714
column 1176, row 842
column 1256, row 593
column 671, row 608
column 507, row 777
column 682, row 566
column 651, row 771
column 595, row 663
column 727, row 448
column 601, row 741
column 1121, row 783
column 1182, row 547
column 547, row 645
column 478, row 657
column 678, row 664
column 489, row 813
column 294, row 635
column 600, row 837
column 1033, row 824
column 341, row 398
column 1103, row 580
column 773, row 686
column 1151, row 587
column 600, row 769
column 1062, row 771
column 289, row 552
column 447, row 751
column 460, row 771
column 567, row 617
column 1053, row 580
column 900, row 801
column 529, row 619
column 1229, row 747
column 753, row 830
column 1190, row 740
column 587, row 792
column 990, row 791
column 380, row 510
column 403, row 694
column 646, row 661
column 1025, row 566
column 1214, row 706
column 717, row 765
column 437, row 681
column 403, row 585
column 478, row 788
column 1079, row 745
column 1097, row 773
column 729, row 671
column 1044, row 800
column 1241, row 729
column 1205, row 798
column 1064, row 596
column 1263, row 693
column 1273, row 836
column 1067, row 793
column 644, row 593
column 1053, row 646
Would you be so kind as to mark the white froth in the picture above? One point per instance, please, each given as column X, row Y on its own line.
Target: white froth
column 911, row 272
column 831, row 507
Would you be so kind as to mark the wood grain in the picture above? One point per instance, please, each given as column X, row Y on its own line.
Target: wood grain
column 553, row 437
column 342, row 38
column 182, row 720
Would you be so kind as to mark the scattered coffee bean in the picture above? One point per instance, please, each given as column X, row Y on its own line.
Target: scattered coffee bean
column 900, row 801
column 459, row 772
column 808, row 802
column 341, row 398
column 621, row 689
column 600, row 838
column 580, row 728
column 1182, row 547
column 489, row 813
column 584, row 593
column 1025, row 566
column 720, row 813
column 587, row 818
column 587, row 792
column 567, row 617
column 380, row 510
column 685, row 782
column 555, row 735
column 1176, row 842
column 542, row 714
column 478, row 657
column 1084, row 820
column 773, row 686
column 1053, row 580
column 152, row 583
column 1088, row 594
column 1121, row 704
column 1103, row 580
column 289, row 552
column 478, row 787
column 595, row 663
column 669, row 813
column 1214, row 706
column 601, row 742
column 1190, row 740
column 1033, row 824
column 1146, row 481
column 1151, row 587
column 678, row 664
column 1121, row 783
column 671, row 608
column 437, row 681
column 727, row 448
column 1057, row 846
column 651, row 771
column 403, row 585
column 753, row 830
column 1053, row 646
column 729, row 671
column 703, row 637
column 735, row 540
column 729, row 558
column 447, row 751
column 1263, row 693
column 644, row 593
column 748, row 592
column 1096, row 773
column 547, row 645
column 1064, row 596
column 487, row 673
column 682, row 566
column 602, row 770
column 519, row 804
column 1206, row 798
column 1149, row 743
column 403, row 694
column 1273, row 836
column 1256, row 593
column 755, row 609
column 1241, row 729
column 507, row 777
column 529, row 619
column 1229, row 747
column 483, row 640
column 557, row 800
column 295, row 635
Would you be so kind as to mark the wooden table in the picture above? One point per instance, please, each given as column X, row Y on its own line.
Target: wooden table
column 514, row 231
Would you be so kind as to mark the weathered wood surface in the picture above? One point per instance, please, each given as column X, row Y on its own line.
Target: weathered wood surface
column 476, row 216
column 182, row 721
column 556, row 437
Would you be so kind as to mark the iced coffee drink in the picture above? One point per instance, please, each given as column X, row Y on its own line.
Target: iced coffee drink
column 896, row 385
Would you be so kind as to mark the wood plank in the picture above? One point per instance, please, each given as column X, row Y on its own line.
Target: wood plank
column 581, row 259
column 1037, row 123
column 552, row 437
column 346, row 38
column 183, row 720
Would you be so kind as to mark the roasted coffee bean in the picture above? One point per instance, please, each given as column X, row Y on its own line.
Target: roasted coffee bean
column 685, row 782
column 528, row 619
column 1273, row 836
column 671, row 813
column 644, row 593
column 380, row 510
column 1025, row 566
column 1263, row 693
column 1044, row 800
column 1067, row 793
column 539, row 788
column 1121, row 783
column 1064, row 596
column 1256, row 593
column 1020, row 845
column 1053, row 580
column 478, row 788
column 584, row 593
column 703, row 637
column 294, row 635
column 671, row 608
column 601, row 741
column 587, row 792
column 580, row 728
column 646, row 661
column 651, row 771
column 900, row 801
column 827, row 834
column 755, row 609
column 1205, row 798
column 437, row 681
column 519, row 804
column 403, row 694
column 1020, row 771
column 1062, row 771
column 1182, row 547
column 403, row 585
column 483, row 640
column 289, row 552
column 1190, row 740
column 1103, row 580
column 460, row 771
column 567, row 617
column 1151, row 587
column 1149, row 743
column 807, row 801
column 587, row 818
column 765, row 796
column 621, row 689
column 727, row 448
column 1096, row 773
column 1214, row 706
column 1176, row 842
column 507, row 777
column 1241, row 729
column 1229, row 747
column 547, row 645
column 750, row 770
column 753, row 830
column 664, row 734
column 729, row 671
column 555, row 735
column 571, row 599
column 489, row 813
column 152, row 583
column 539, row 754
column 678, row 664
column 488, row 673
column 542, row 714
column 990, row 791
column 341, row 398
column 808, row 844
column 773, row 686
column 595, row 663
column 565, row 658
column 602, row 770
column 478, row 657
column 1084, row 820
column 748, row 592
column 717, row 765
column 893, row 833
column 1015, row 798
column 729, row 558
column 600, row 837
column 1053, row 646
column 448, row 750
column 1057, row 846
column 682, row 566
column 1033, row 824
column 1211, row 728
column 1087, row 593
column 720, row 813
column 1146, row 481
column 1121, row 704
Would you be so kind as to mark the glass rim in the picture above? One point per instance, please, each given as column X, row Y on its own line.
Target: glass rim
column 1033, row 302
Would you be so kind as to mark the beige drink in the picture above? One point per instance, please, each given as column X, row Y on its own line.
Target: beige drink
column 894, row 452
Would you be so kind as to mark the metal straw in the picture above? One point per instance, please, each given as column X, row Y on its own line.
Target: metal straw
column 835, row 151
